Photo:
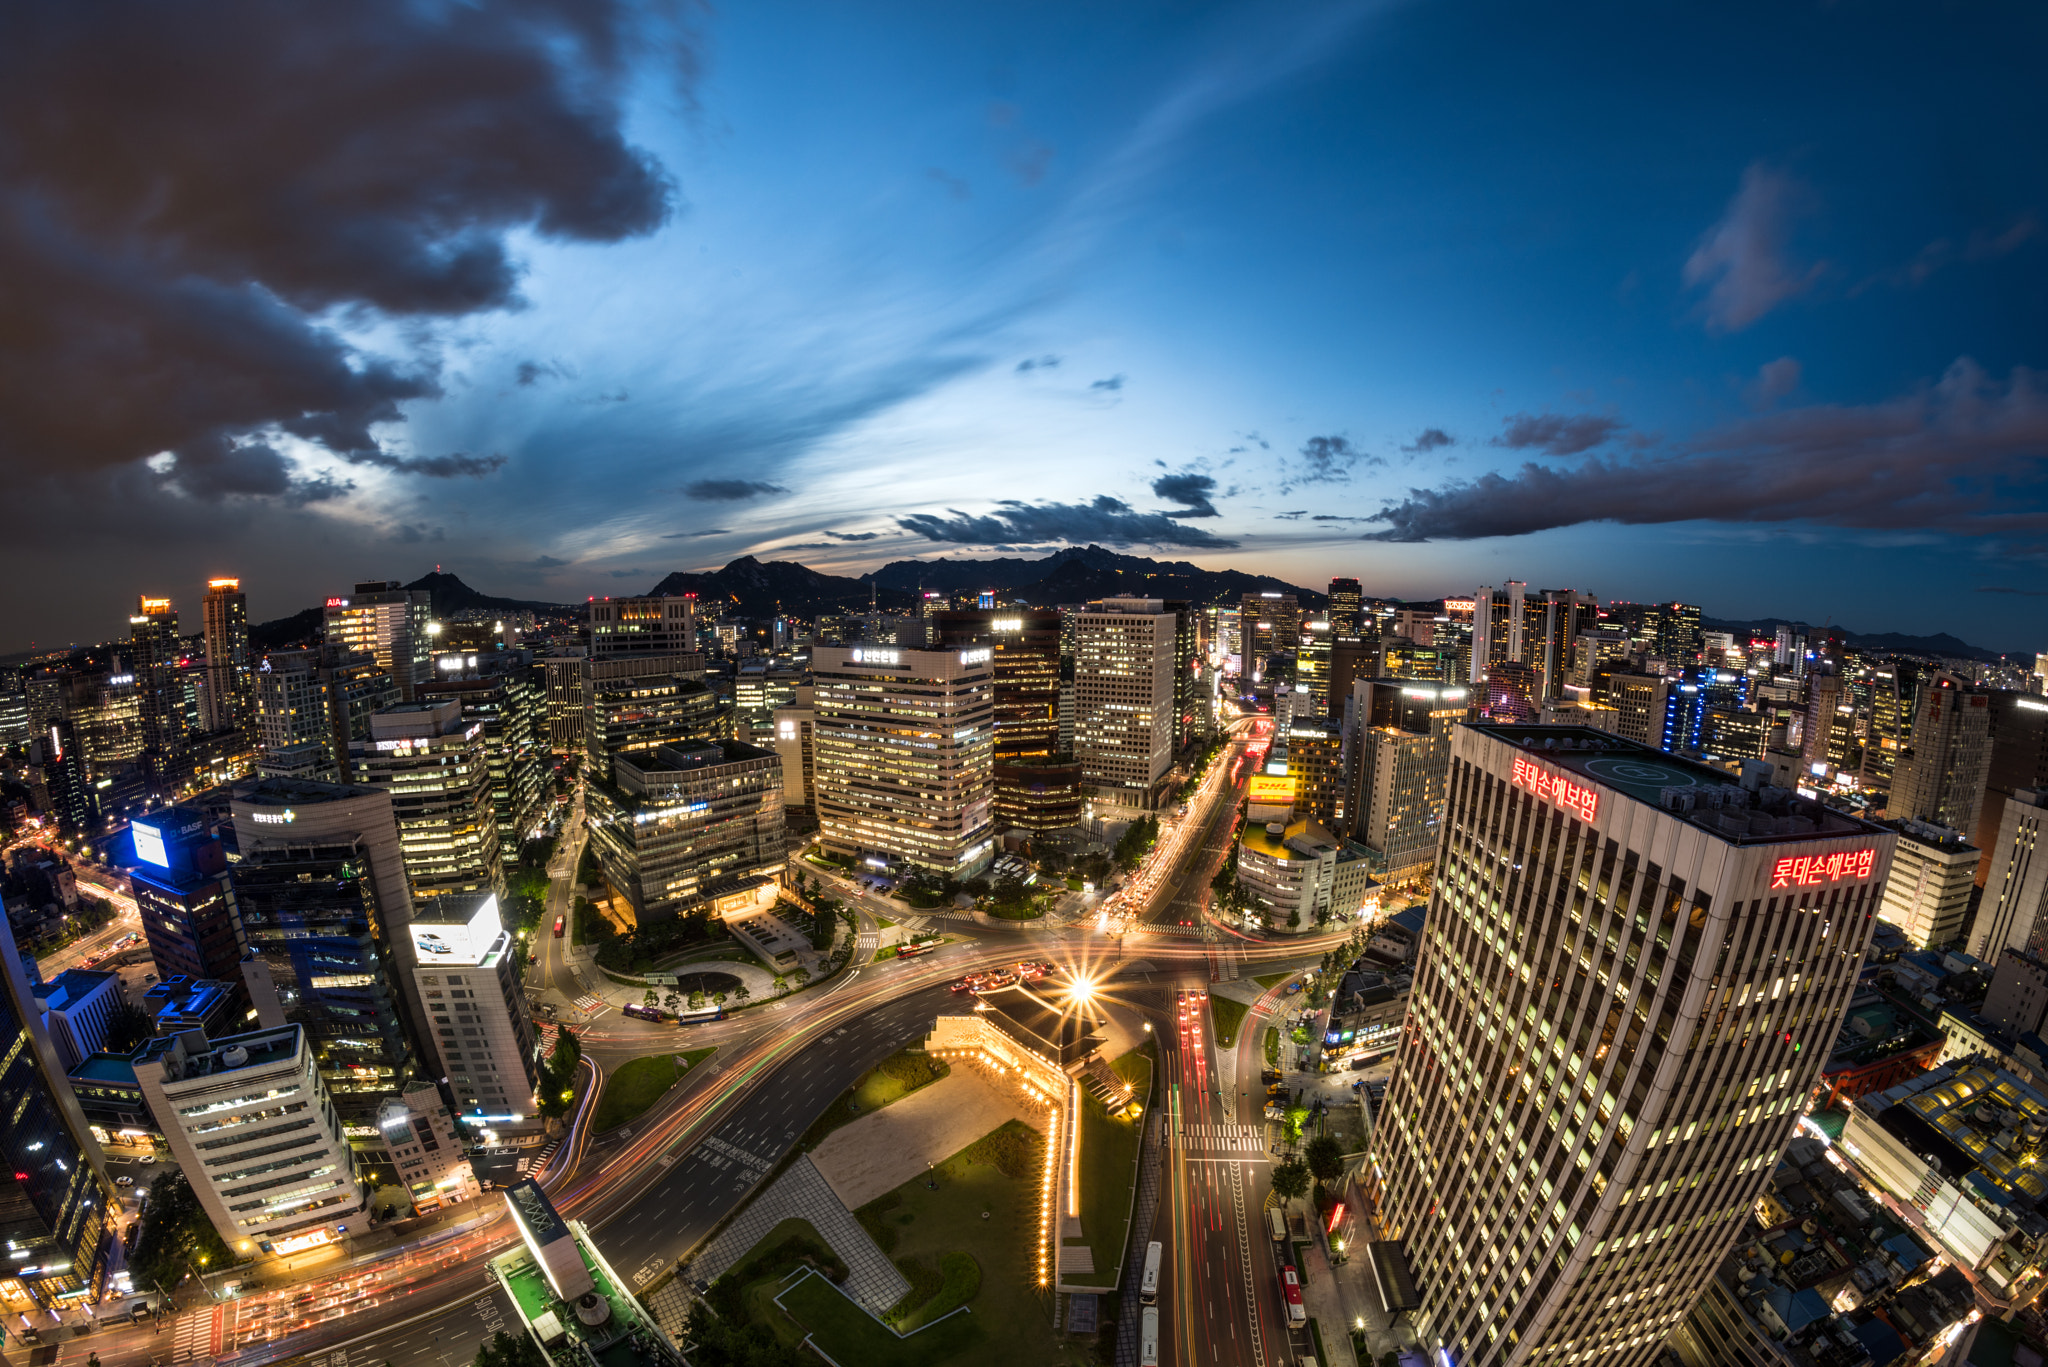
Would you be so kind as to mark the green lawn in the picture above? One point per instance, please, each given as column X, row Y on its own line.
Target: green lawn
column 1272, row 1047
column 748, row 1290
column 850, row 1335
column 635, row 1086
column 1269, row 981
column 884, row 922
column 1109, row 1149
column 1227, row 1018
column 890, row 1080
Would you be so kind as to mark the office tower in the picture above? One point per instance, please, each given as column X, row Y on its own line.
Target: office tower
column 1498, row 617
column 1315, row 761
column 2013, row 912
column 1941, row 777
column 432, row 762
column 1124, row 695
column 1403, row 658
column 311, row 705
column 156, row 648
column 1928, row 893
column 466, row 973
column 427, row 1149
column 565, row 666
column 2019, row 759
column 56, row 773
column 1191, row 718
column 1270, row 624
column 1556, row 620
column 290, row 820
column 185, row 898
column 1823, row 700
column 1312, row 667
column 634, row 702
column 660, row 626
column 1641, row 700
column 795, row 727
column 309, row 918
column 1035, row 788
column 389, row 623
column 1782, row 651
column 1297, row 875
column 77, row 1008
column 1511, row 692
column 1679, row 636
column 1351, row 658
column 1345, row 602
column 686, row 829
column 249, row 1122
column 905, row 754
column 504, row 693
column 54, row 1193
column 1731, row 733
column 1636, row 968
column 1685, row 717
column 230, row 669
column 1396, row 752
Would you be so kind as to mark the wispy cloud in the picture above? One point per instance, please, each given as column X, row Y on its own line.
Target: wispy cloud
column 1556, row 434
column 1745, row 260
column 731, row 490
column 1106, row 520
column 1430, row 439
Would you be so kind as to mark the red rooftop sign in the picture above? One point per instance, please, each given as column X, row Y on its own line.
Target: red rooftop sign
column 1577, row 798
column 1811, row 870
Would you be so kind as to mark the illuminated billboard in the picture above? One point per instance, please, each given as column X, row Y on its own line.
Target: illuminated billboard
column 1266, row 791
column 149, row 845
column 458, row 942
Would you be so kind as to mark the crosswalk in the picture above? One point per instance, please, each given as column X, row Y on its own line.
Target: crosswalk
column 1219, row 1137
column 195, row 1335
column 595, row 1006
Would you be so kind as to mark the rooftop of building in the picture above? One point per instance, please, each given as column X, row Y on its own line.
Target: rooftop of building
column 71, row 987
column 1065, row 1029
column 300, row 792
column 194, row 1056
column 1303, row 840
column 1975, row 1123
column 1740, row 807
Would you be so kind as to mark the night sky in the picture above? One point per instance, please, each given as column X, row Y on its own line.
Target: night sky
column 1736, row 304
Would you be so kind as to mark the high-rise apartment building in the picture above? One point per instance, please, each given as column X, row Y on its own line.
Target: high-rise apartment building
column 1928, row 893
column 2013, row 912
column 904, row 747
column 391, row 624
column 250, row 1124
column 685, row 829
column 1942, row 775
column 643, row 626
column 433, row 764
column 466, row 975
column 1394, row 760
column 1635, row 968
column 1124, row 689
column 1035, row 787
column 156, row 647
column 55, row 1197
column 230, row 668
column 1345, row 601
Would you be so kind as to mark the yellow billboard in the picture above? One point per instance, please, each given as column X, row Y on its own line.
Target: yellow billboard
column 1268, row 791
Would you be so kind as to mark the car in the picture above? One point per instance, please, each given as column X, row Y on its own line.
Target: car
column 963, row 985
column 149, row 977
column 1269, row 1075
column 147, row 1158
column 432, row 944
column 124, row 1181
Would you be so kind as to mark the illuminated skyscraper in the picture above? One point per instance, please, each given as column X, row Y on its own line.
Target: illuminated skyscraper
column 389, row 623
column 1498, row 618
column 1031, row 789
column 230, row 670
column 904, row 754
column 1124, row 692
column 432, row 762
column 1345, row 601
column 1270, row 624
column 1635, row 969
column 1396, row 753
column 1942, row 776
column 643, row 626
column 153, row 639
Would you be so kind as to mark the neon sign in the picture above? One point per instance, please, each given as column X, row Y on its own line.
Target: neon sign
column 1811, row 870
column 1577, row 798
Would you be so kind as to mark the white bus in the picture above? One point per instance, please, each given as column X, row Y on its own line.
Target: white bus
column 1148, row 1289
column 1148, row 1337
column 1276, row 1220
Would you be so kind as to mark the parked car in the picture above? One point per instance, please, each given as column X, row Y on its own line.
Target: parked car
column 1269, row 1075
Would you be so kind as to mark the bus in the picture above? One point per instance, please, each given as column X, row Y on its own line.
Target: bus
column 645, row 1013
column 1290, row 1291
column 1148, row 1290
column 1148, row 1337
column 912, row 950
column 1276, row 1220
column 709, row 1011
column 559, row 921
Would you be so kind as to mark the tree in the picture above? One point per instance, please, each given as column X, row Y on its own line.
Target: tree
column 1290, row 1181
column 674, row 999
column 558, row 1074
column 1325, row 1159
column 128, row 1025
column 652, row 998
column 509, row 1350
column 696, row 999
column 741, row 994
column 719, row 997
column 716, row 1341
column 803, row 975
column 781, row 984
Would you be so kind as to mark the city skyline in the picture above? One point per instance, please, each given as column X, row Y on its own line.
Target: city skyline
column 1239, row 287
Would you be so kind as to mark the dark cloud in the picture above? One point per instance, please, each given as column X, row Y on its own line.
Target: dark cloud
column 2017, row 593
column 708, row 531
column 631, row 574
column 441, row 467
column 1335, row 517
column 954, row 186
column 1326, row 460
column 187, row 194
column 411, row 533
column 853, row 536
column 1966, row 456
column 1031, row 363
column 1430, row 439
column 1292, row 515
column 1191, row 490
column 1110, row 385
column 1745, row 260
column 547, row 562
column 731, row 490
column 1106, row 520
column 1557, row 434
column 1774, row 380
column 530, row 373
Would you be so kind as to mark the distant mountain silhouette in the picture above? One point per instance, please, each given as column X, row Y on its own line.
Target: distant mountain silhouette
column 301, row 628
column 756, row 588
column 451, row 596
column 1079, row 573
column 1940, row 646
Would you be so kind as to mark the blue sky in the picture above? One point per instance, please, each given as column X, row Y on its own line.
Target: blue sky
column 1732, row 304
